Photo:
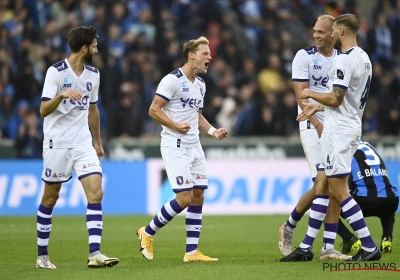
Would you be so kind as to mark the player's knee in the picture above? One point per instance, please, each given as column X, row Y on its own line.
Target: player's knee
column 95, row 196
column 198, row 197
column 333, row 194
column 184, row 199
column 50, row 200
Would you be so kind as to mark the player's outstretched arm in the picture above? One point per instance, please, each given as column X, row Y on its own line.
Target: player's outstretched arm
column 159, row 116
column 49, row 106
column 205, row 126
column 94, row 124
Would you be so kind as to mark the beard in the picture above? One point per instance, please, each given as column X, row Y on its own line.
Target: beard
column 88, row 58
column 337, row 44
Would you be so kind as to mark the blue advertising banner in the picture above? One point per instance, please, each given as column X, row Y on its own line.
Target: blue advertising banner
column 21, row 188
column 235, row 187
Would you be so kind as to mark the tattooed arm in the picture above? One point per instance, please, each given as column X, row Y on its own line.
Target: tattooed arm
column 333, row 99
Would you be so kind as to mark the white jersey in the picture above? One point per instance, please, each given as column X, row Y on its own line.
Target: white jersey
column 67, row 126
column 185, row 99
column 351, row 71
column 312, row 67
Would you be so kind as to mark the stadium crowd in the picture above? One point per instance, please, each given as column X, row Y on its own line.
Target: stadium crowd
column 252, row 43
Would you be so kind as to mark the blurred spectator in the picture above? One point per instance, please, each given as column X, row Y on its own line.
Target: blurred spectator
column 394, row 25
column 17, row 118
column 127, row 118
column 29, row 141
column 252, row 42
column 246, row 117
column 27, row 87
column 380, row 41
column 270, row 76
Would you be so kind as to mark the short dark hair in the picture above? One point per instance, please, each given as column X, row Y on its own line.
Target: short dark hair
column 349, row 21
column 81, row 36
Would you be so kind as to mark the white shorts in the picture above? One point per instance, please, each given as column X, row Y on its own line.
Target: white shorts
column 312, row 150
column 58, row 164
column 186, row 167
column 337, row 152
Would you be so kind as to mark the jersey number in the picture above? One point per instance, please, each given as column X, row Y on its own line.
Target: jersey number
column 364, row 95
column 370, row 154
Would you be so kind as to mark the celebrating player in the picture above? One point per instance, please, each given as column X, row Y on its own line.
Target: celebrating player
column 351, row 73
column 310, row 69
column 177, row 106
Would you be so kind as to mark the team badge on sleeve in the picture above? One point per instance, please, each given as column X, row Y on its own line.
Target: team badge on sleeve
column 340, row 74
column 89, row 86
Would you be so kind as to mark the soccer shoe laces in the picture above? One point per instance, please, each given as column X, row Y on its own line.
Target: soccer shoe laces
column 45, row 261
column 200, row 253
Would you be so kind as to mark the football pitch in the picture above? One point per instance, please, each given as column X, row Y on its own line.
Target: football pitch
column 245, row 245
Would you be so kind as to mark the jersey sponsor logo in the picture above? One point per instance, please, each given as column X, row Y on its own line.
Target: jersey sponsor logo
column 179, row 180
column 311, row 50
column 185, row 86
column 67, row 83
column 83, row 104
column 202, row 92
column 317, row 64
column 177, row 73
column 89, row 86
column 61, row 65
column 340, row 74
column 191, row 102
column 91, row 68
column 323, row 80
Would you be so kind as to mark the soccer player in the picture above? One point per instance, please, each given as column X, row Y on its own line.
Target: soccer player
column 310, row 69
column 370, row 187
column 350, row 78
column 69, row 108
column 177, row 106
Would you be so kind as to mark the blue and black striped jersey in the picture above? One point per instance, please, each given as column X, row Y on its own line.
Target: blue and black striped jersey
column 368, row 174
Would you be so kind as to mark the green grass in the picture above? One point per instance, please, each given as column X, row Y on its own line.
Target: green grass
column 245, row 245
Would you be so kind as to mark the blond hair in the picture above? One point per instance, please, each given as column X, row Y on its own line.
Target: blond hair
column 192, row 46
column 329, row 17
